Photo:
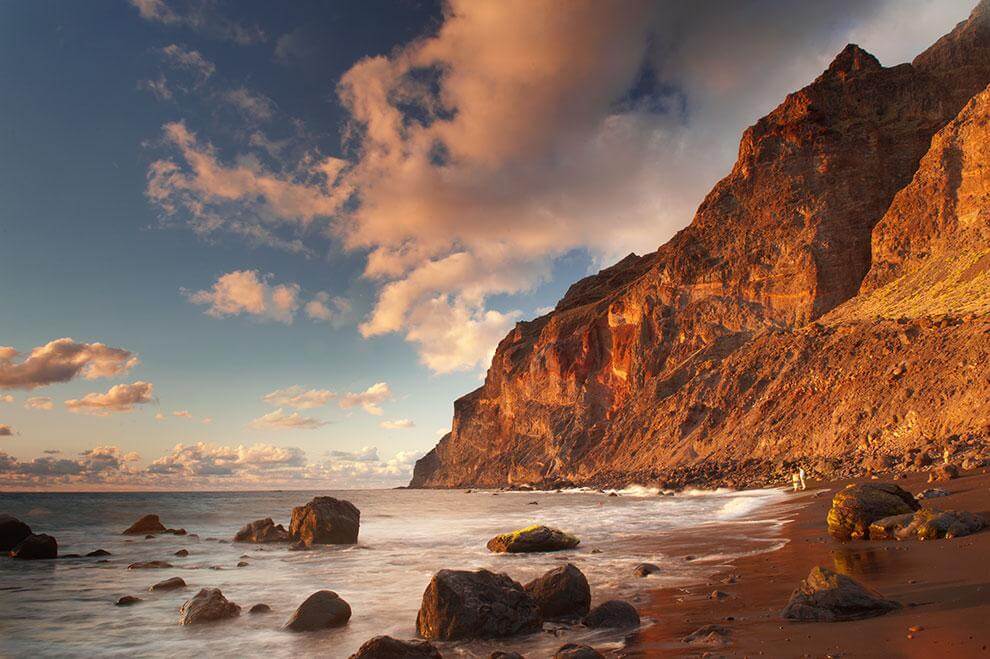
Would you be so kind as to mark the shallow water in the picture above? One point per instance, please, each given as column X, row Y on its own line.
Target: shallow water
column 65, row 607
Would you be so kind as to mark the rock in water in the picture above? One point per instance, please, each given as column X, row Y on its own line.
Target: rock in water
column 321, row 610
column 460, row 604
column 209, row 605
column 933, row 493
column 614, row 614
column 98, row 552
column 386, row 647
column 829, row 597
column 145, row 525
column 325, row 521
column 260, row 608
column 646, row 569
column 12, row 532
column 34, row 547
column 561, row 593
column 149, row 565
column 709, row 635
column 577, row 651
column 127, row 600
column 169, row 584
column 927, row 525
column 857, row 506
column 532, row 539
column 262, row 530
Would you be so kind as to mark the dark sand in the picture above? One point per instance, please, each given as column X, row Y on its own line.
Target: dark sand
column 944, row 586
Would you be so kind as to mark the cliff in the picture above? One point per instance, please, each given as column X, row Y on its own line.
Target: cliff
column 829, row 300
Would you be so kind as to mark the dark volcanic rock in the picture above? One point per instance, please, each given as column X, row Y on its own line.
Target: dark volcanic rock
column 857, row 506
column 260, row 608
column 561, row 593
column 614, row 613
column 500, row 654
column 386, row 647
column 173, row 583
column 98, row 552
column 577, row 651
column 182, row 553
column 829, row 597
column 12, row 532
column 321, row 610
column 459, row 604
column 145, row 525
column 149, row 565
column 646, row 569
column 532, row 539
column 262, row 530
column 127, row 600
column 34, row 547
column 325, row 521
column 208, row 605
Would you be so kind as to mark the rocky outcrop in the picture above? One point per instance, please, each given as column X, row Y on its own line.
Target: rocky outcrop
column 150, row 525
column 12, row 532
column 612, row 614
column 801, row 315
column 856, row 507
column 927, row 524
column 386, row 647
column 324, row 609
column 35, row 547
column 459, row 604
column 262, row 531
column 532, row 539
column 562, row 593
column 209, row 605
column 325, row 521
column 826, row 596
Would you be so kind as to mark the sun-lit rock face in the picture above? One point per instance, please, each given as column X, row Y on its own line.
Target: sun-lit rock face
column 721, row 344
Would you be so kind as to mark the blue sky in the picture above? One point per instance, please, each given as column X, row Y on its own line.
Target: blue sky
column 512, row 151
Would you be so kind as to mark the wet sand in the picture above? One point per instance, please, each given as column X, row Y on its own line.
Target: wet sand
column 944, row 586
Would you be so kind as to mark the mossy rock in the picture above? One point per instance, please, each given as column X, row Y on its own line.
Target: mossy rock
column 532, row 539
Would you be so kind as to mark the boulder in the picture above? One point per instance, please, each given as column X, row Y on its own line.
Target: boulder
column 577, row 651
column 646, row 569
column 933, row 493
column 169, row 584
column 502, row 654
column 208, row 605
column 262, row 530
column 127, row 600
column 857, row 506
column 461, row 604
column 943, row 472
column 145, row 525
column 98, row 552
column 386, row 647
column 321, row 610
column 709, row 636
column 35, row 547
column 260, row 608
column 182, row 553
column 826, row 596
column 614, row 614
column 561, row 593
column 532, row 539
column 325, row 521
column 12, row 532
column 927, row 524
column 149, row 565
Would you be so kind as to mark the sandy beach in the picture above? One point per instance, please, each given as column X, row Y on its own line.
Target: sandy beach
column 944, row 586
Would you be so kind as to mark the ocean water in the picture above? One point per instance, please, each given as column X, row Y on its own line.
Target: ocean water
column 66, row 607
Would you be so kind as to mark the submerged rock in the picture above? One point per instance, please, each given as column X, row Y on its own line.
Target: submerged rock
column 857, row 506
column 577, row 651
column 145, row 525
column 461, row 604
column 646, row 569
column 532, row 539
column 208, row 605
column 127, row 600
column 36, row 547
column 98, row 552
column 261, row 531
column 325, row 521
column 614, row 614
column 12, row 532
column 561, row 593
column 173, row 583
column 826, row 596
column 386, row 647
column 260, row 608
column 321, row 610
column 149, row 565
column 182, row 553
column 927, row 524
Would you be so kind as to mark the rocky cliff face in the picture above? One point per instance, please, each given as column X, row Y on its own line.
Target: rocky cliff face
column 829, row 296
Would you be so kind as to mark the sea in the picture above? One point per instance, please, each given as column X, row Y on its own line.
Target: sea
column 65, row 607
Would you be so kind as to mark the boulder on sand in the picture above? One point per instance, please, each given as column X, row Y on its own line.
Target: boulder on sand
column 35, row 547
column 169, row 584
column 208, row 605
column 857, row 506
column 386, row 647
column 150, row 524
column 577, row 651
column 325, row 521
column 943, row 472
column 262, row 530
column 532, row 539
column 12, row 532
column 321, row 610
column 462, row 604
column 926, row 524
column 561, row 593
column 826, row 596
column 614, row 614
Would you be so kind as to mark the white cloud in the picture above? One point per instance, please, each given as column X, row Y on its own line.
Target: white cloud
column 60, row 361
column 159, row 416
column 119, row 398
column 366, row 454
column 247, row 292
column 39, row 403
column 182, row 414
column 299, row 398
column 397, row 424
column 279, row 420
column 6, row 398
column 369, row 400
column 210, row 460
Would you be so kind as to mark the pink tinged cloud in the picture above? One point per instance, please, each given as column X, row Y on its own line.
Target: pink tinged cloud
column 5, row 430
column 247, row 292
column 61, row 361
column 369, row 400
column 299, row 398
column 39, row 403
column 119, row 398
column 279, row 420
column 397, row 424
column 6, row 398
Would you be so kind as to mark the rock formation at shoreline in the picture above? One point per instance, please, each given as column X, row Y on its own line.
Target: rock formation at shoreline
column 829, row 302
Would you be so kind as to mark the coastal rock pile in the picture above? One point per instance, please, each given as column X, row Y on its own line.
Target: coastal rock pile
column 826, row 596
column 857, row 506
column 927, row 524
column 12, row 532
column 386, row 647
column 262, row 531
column 36, row 546
column 208, row 605
column 460, row 604
column 174, row 583
column 325, row 521
column 532, row 539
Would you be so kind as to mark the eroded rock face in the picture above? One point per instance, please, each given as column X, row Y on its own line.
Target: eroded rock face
column 323, row 609
column 386, row 647
column 459, row 604
column 856, row 507
column 261, row 531
column 208, row 605
column 35, row 547
column 325, row 521
column 12, row 532
column 826, row 596
column 532, row 539
column 562, row 593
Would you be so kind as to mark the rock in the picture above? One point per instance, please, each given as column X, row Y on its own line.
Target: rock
column 826, row 596
column 922, row 460
column 208, row 605
column 35, row 547
column 149, row 565
column 646, row 569
column 857, row 506
column 460, row 604
column 325, row 521
column 150, row 537
column 321, row 610
column 386, row 647
column 927, row 524
column 145, row 525
column 933, row 493
column 613, row 614
column 718, row 595
column 709, row 635
column 259, row 608
column 262, row 530
column 243, row 564
column 12, row 532
column 532, row 539
column 577, row 651
column 562, row 593
column 499, row 654
column 182, row 553
column 70, row 556
column 174, row 583
column 98, row 552
column 127, row 600
column 943, row 472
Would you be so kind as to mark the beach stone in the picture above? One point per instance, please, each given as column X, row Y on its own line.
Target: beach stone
column 182, row 553
column 208, row 605
column 561, row 593
column 943, row 472
column 718, row 595
column 461, row 604
column 825, row 596
column 321, row 610
column 933, row 493
column 36, row 547
column 614, row 614
column 709, row 636
column 261, row 531
column 260, row 608
column 857, row 506
column 145, row 525
column 98, row 552
column 646, row 569
column 243, row 564
column 532, row 539
column 70, row 556
column 325, row 521
column 149, row 565
column 927, row 524
column 386, row 647
column 169, row 584
column 127, row 600
column 12, row 532
column 577, row 651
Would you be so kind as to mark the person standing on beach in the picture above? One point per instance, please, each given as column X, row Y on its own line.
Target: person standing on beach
column 795, row 481
column 804, row 486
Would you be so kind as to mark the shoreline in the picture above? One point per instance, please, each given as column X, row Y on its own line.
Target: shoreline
column 944, row 586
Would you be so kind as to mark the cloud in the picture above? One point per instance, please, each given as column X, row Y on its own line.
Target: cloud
column 333, row 310
column 158, row 88
column 39, row 403
column 202, row 16
column 247, row 292
column 279, row 420
column 369, row 399
column 397, row 424
column 99, row 464
column 5, row 430
column 182, row 414
column 206, row 420
column 293, row 46
column 210, row 460
column 190, row 61
column 251, row 105
column 119, row 398
column 299, row 398
column 60, row 361
column 159, row 416
column 6, row 398
column 366, row 454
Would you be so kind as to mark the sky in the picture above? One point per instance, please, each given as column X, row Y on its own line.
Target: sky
column 254, row 245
